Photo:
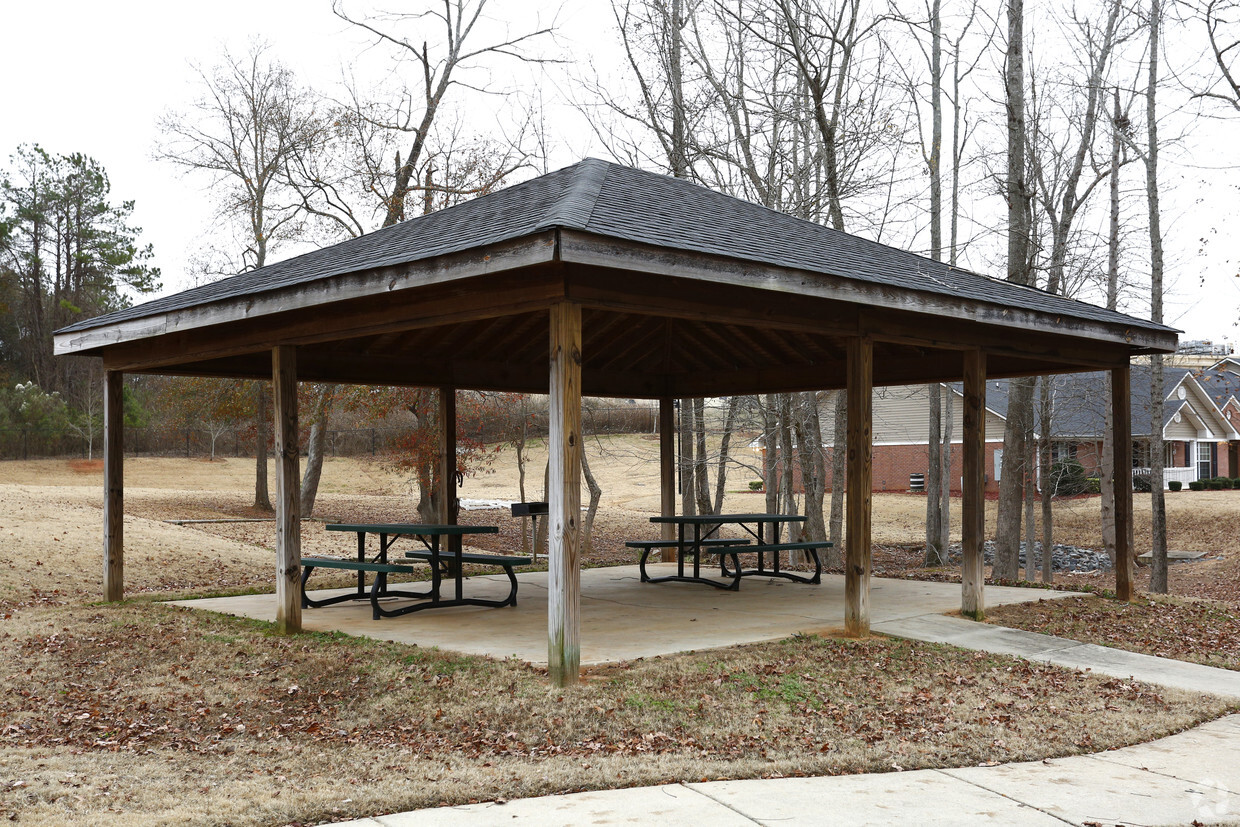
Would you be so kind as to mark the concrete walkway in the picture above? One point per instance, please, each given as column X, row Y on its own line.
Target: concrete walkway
column 1102, row 660
column 1193, row 776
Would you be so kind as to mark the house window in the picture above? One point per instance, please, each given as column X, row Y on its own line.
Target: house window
column 1062, row 451
column 1205, row 460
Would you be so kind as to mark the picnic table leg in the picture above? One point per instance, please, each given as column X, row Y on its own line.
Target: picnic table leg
column 361, row 558
column 775, row 531
column 380, row 577
column 680, row 550
column 455, row 544
column 697, row 549
column 435, row 576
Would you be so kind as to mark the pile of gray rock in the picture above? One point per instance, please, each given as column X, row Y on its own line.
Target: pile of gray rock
column 1063, row 558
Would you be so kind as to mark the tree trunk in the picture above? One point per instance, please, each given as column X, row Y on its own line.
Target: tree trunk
column 816, row 483
column 540, row 539
column 315, row 450
column 522, row 436
column 945, row 487
column 596, row 494
column 1158, row 522
column 787, row 482
column 935, row 551
column 839, row 460
column 809, row 448
column 688, row 499
column 1011, row 481
column 770, row 439
column 701, row 465
column 262, row 497
column 1030, row 483
column 725, row 444
column 1048, row 484
column 1107, row 481
column 1020, row 394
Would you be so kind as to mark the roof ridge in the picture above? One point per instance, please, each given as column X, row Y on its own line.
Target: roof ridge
column 575, row 206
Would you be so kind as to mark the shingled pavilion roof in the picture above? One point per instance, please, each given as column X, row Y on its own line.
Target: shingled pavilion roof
column 761, row 300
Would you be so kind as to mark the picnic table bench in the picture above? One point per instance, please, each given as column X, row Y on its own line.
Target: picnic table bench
column 443, row 563
column 693, row 547
column 648, row 546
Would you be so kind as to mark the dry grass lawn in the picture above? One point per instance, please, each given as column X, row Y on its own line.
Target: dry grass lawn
column 142, row 713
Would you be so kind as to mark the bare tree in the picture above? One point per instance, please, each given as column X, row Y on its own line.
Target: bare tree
column 1222, row 23
column 1120, row 126
column 927, row 34
column 251, row 120
column 1019, row 270
column 1064, row 166
column 436, row 73
column 1158, row 523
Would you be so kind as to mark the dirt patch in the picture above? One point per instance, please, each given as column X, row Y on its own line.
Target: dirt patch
column 86, row 466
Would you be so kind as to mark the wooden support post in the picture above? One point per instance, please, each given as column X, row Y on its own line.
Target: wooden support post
column 288, row 490
column 448, row 507
column 973, row 503
column 1121, row 439
column 860, row 450
column 667, row 472
column 564, row 495
column 113, row 486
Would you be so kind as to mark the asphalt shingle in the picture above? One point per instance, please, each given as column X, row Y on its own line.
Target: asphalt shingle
column 633, row 205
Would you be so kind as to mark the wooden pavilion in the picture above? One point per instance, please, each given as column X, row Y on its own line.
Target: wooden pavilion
column 603, row 280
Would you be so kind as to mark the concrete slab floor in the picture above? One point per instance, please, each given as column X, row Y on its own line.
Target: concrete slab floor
column 618, row 613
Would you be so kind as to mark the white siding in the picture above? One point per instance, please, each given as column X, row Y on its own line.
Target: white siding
column 1182, row 430
column 901, row 417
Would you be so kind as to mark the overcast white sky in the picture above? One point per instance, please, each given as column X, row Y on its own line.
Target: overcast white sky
column 94, row 77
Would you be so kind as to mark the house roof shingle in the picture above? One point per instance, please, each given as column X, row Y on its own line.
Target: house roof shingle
column 1080, row 409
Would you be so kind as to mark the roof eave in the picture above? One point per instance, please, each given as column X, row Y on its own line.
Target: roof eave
column 530, row 250
column 585, row 248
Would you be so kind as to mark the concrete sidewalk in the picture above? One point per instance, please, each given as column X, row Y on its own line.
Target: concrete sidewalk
column 1193, row 776
column 1101, row 660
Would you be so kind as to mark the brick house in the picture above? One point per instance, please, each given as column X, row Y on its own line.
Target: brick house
column 901, row 428
column 1195, row 429
column 1200, row 439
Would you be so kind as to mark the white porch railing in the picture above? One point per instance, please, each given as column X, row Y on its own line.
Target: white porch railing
column 1184, row 475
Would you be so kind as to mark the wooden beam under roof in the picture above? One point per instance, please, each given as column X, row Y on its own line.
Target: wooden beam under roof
column 693, row 267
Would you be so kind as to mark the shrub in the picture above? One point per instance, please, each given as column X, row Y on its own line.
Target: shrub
column 1068, row 478
column 1093, row 485
column 1224, row 483
column 1214, row 485
column 755, row 485
column 1175, row 485
column 1141, row 483
column 1235, row 482
column 1196, row 486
